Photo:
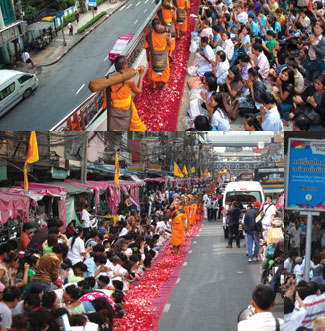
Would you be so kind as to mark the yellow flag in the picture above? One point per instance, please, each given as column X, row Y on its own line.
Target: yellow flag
column 116, row 170
column 192, row 170
column 206, row 173
column 177, row 171
column 185, row 170
column 201, row 176
column 32, row 156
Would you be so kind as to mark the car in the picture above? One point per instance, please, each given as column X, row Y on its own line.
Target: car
column 119, row 46
column 14, row 87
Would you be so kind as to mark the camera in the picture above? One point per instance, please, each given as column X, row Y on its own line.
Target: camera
column 167, row 30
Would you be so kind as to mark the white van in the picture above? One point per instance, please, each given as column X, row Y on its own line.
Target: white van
column 244, row 193
column 15, row 86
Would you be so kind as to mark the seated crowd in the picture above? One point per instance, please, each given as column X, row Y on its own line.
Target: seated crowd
column 80, row 272
column 262, row 60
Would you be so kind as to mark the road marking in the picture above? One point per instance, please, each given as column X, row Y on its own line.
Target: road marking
column 138, row 4
column 136, row 22
column 185, row 263
column 122, row 8
column 146, row 1
column 129, row 6
column 240, row 272
column 178, row 280
column 166, row 308
column 145, row 10
column 190, row 252
column 194, row 242
column 106, row 58
column 80, row 88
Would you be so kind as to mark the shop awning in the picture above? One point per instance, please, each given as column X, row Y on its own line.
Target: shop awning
column 71, row 189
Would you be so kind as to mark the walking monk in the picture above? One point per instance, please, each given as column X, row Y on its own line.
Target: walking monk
column 167, row 17
column 178, row 225
column 181, row 18
column 121, row 95
column 156, row 43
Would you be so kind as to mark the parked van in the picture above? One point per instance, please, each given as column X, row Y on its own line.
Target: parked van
column 244, row 193
column 15, row 86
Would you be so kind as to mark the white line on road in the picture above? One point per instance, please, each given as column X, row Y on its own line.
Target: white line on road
column 178, row 280
column 106, row 58
column 146, row 1
column 190, row 252
column 166, row 308
column 185, row 263
column 145, row 10
column 138, row 4
column 129, row 6
column 194, row 242
column 136, row 22
column 80, row 88
column 122, row 8
column 198, row 235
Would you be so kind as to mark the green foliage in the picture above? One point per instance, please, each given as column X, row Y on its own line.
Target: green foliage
column 91, row 22
column 30, row 14
column 67, row 19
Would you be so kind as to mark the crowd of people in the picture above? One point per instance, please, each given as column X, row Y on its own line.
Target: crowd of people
column 261, row 60
column 304, row 297
column 78, row 275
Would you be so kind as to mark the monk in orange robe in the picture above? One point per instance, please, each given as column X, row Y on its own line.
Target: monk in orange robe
column 169, row 15
column 121, row 94
column 178, row 225
column 160, row 40
column 187, row 209
column 181, row 27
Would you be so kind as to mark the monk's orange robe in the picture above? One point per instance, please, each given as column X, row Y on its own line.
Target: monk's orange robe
column 159, row 44
column 193, row 213
column 121, row 98
column 178, row 230
column 182, row 26
column 168, row 17
column 187, row 210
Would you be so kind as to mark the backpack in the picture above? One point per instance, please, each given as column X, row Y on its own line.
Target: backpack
column 269, row 251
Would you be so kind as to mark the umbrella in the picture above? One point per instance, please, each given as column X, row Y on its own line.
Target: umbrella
column 48, row 12
column 48, row 18
column 38, row 26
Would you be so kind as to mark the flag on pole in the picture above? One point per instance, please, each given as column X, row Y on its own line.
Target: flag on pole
column 201, row 176
column 116, row 170
column 185, row 170
column 192, row 170
column 32, row 156
column 177, row 171
column 206, row 173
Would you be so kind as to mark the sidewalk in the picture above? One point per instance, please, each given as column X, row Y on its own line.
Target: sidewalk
column 56, row 50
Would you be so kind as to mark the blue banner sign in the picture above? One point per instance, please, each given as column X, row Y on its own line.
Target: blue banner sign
column 305, row 186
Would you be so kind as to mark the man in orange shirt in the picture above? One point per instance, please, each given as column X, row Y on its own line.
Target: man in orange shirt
column 24, row 239
column 156, row 43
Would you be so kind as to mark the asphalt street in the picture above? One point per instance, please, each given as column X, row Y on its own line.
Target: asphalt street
column 213, row 287
column 64, row 86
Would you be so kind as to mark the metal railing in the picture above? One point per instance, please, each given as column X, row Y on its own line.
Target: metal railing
column 80, row 118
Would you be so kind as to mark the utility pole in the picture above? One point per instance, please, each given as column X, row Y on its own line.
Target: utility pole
column 84, row 158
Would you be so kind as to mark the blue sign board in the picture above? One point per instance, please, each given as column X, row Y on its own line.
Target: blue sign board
column 92, row 3
column 305, row 180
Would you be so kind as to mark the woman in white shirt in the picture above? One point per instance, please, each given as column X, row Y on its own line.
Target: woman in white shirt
column 218, row 115
column 270, row 113
column 220, row 70
column 77, row 249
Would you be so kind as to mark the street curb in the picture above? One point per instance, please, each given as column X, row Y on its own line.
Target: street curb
column 84, row 35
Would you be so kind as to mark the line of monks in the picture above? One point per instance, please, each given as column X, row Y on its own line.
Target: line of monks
column 168, row 26
column 185, row 213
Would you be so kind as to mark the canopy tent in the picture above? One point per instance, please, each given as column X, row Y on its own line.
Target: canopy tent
column 13, row 204
column 49, row 190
